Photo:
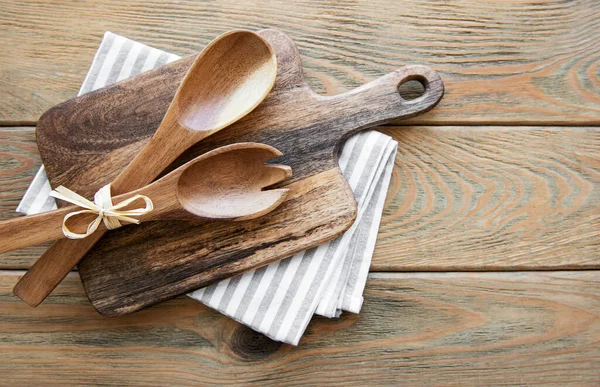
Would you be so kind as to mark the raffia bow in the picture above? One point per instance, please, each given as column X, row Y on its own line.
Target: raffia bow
column 102, row 206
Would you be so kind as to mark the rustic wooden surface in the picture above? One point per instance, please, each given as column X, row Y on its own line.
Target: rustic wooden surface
column 492, row 198
column 447, row 329
column 509, row 62
column 445, row 207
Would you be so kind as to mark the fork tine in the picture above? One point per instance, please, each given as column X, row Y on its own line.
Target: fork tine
column 274, row 173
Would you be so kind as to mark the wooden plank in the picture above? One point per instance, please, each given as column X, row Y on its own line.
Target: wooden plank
column 451, row 329
column 461, row 198
column 19, row 162
column 503, row 198
column 503, row 62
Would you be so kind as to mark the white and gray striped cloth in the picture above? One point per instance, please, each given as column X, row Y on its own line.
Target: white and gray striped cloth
column 278, row 299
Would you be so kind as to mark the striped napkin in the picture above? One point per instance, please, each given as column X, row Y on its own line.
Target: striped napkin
column 278, row 299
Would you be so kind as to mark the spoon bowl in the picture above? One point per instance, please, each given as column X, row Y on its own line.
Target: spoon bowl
column 225, row 82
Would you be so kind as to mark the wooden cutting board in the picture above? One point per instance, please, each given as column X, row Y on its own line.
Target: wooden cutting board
column 85, row 142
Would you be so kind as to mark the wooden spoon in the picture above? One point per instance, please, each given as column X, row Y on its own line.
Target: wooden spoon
column 230, row 77
column 226, row 183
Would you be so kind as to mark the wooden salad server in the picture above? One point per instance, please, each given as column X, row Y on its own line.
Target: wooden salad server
column 224, row 184
column 229, row 78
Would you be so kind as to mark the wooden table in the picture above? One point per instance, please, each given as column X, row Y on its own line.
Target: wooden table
column 486, row 266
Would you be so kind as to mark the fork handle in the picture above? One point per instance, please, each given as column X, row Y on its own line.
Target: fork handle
column 32, row 230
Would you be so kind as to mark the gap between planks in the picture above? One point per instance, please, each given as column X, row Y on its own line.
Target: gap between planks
column 567, row 124
column 392, row 274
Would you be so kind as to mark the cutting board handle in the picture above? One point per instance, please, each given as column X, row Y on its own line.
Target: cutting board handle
column 379, row 101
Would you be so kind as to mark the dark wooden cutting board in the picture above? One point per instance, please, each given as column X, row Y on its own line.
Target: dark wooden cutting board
column 85, row 142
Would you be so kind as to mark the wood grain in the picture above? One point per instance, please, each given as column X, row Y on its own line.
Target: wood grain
column 503, row 62
column 85, row 141
column 444, row 210
column 450, row 329
column 19, row 162
column 482, row 198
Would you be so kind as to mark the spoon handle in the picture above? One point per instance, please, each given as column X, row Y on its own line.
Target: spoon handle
column 162, row 149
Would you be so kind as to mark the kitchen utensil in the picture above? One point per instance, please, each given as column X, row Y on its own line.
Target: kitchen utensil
column 231, row 76
column 226, row 183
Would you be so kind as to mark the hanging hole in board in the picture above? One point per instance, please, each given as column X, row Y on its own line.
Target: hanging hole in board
column 412, row 89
